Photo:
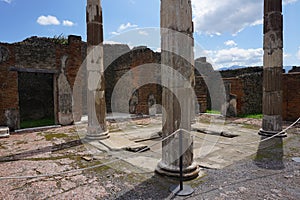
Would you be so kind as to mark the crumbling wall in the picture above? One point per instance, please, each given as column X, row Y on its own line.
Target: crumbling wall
column 34, row 55
column 126, row 61
column 291, row 96
column 252, row 89
column 294, row 69
column 249, row 91
column 9, row 109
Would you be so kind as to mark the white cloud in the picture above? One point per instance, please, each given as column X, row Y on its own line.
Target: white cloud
column 216, row 17
column 68, row 23
column 47, row 20
column 143, row 33
column 111, row 42
column 123, row 27
column 230, row 43
column 7, row 1
column 285, row 2
column 235, row 56
column 157, row 50
column 115, row 33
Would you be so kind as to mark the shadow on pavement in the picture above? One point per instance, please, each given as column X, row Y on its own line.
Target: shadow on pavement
column 156, row 187
column 270, row 154
column 53, row 148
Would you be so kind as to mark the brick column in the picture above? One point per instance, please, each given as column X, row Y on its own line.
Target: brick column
column 177, row 52
column 273, row 62
column 96, row 106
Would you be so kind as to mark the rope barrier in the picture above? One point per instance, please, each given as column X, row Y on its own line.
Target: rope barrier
column 118, row 159
column 254, row 142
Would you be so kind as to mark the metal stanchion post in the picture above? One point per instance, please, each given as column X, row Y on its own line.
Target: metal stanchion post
column 181, row 189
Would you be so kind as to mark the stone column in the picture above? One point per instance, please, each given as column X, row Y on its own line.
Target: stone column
column 96, row 106
column 65, row 115
column 273, row 63
column 177, row 52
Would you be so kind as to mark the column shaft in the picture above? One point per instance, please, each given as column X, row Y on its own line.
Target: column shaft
column 273, row 63
column 96, row 107
column 177, row 52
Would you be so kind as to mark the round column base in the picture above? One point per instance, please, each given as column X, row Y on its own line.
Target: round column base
column 189, row 173
column 97, row 136
column 271, row 133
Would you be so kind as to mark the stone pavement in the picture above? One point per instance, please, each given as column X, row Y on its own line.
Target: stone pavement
column 60, row 149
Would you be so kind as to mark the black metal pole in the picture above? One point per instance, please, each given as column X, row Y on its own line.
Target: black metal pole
column 181, row 189
column 180, row 160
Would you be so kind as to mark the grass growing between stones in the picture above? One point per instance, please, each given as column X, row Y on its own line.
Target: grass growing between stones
column 250, row 126
column 51, row 136
column 37, row 123
column 213, row 112
column 252, row 116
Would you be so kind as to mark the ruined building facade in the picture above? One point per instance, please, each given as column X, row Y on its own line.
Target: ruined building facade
column 38, row 75
column 30, row 73
column 37, row 78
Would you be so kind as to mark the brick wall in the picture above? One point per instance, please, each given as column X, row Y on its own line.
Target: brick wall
column 39, row 55
column 248, row 88
column 236, row 86
column 8, row 85
column 291, row 96
column 128, row 61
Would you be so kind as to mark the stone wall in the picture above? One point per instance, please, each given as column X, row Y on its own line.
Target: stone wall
column 294, row 69
column 252, row 89
column 122, row 62
column 44, row 56
column 239, row 72
column 34, row 55
column 9, row 109
column 291, row 96
column 248, row 88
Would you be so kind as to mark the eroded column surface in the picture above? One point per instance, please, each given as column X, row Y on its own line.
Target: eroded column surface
column 96, row 106
column 273, row 63
column 177, row 99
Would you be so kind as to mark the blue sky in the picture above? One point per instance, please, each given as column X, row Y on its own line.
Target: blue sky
column 229, row 31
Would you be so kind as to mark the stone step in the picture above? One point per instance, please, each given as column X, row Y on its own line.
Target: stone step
column 4, row 132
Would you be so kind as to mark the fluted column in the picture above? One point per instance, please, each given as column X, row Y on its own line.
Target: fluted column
column 273, row 63
column 177, row 53
column 96, row 106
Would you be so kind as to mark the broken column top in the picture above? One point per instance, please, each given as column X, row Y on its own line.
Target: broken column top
column 272, row 5
column 178, row 16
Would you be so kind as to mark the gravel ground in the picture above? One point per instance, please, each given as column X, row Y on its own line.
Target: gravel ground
column 244, row 180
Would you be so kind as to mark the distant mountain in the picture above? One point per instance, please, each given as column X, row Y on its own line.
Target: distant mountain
column 232, row 67
column 287, row 68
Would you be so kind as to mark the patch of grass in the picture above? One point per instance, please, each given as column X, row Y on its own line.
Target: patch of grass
column 21, row 142
column 250, row 126
column 50, row 136
column 252, row 116
column 37, row 123
column 52, row 158
column 213, row 112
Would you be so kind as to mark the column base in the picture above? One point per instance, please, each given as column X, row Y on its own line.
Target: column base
column 271, row 133
column 189, row 173
column 97, row 136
